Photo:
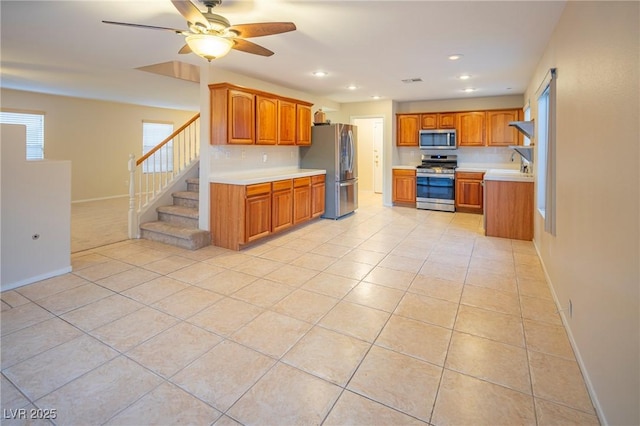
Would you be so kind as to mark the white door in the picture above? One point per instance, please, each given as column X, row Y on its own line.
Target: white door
column 377, row 155
column 370, row 149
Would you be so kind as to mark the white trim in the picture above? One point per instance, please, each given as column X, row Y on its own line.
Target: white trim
column 99, row 199
column 550, row 181
column 583, row 369
column 37, row 278
column 545, row 82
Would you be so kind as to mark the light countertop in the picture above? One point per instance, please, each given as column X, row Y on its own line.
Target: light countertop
column 405, row 167
column 484, row 167
column 509, row 175
column 262, row 175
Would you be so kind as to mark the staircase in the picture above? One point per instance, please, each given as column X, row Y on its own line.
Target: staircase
column 177, row 224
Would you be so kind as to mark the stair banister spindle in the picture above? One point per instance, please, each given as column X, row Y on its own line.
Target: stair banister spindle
column 184, row 151
column 133, row 224
column 165, row 172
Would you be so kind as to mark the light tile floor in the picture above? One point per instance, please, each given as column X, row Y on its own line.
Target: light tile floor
column 390, row 316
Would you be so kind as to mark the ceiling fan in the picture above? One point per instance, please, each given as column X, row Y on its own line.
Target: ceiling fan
column 212, row 36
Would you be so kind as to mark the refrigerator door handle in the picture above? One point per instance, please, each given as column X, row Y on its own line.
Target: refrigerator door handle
column 350, row 182
column 352, row 149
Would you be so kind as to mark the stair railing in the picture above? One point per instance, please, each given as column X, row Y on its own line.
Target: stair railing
column 159, row 167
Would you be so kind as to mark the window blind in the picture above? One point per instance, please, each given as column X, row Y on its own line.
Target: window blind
column 152, row 134
column 35, row 131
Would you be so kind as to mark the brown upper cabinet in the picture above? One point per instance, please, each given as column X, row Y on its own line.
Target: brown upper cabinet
column 408, row 127
column 245, row 116
column 446, row 120
column 287, row 128
column 429, row 121
column 233, row 112
column 471, row 128
column 499, row 133
column 303, row 126
column 266, row 120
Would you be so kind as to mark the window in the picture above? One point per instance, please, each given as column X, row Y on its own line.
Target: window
column 35, row 131
column 527, row 117
column 546, row 140
column 152, row 134
column 542, row 132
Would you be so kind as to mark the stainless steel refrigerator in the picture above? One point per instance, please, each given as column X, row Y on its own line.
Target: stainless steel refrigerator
column 333, row 148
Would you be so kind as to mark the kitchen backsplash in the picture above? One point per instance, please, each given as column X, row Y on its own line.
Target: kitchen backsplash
column 234, row 158
column 466, row 155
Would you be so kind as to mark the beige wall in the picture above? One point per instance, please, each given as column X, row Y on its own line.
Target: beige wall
column 96, row 136
column 463, row 104
column 594, row 259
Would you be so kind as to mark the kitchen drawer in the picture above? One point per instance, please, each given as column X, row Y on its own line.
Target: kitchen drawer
column 470, row 175
column 404, row 172
column 303, row 181
column 317, row 179
column 258, row 189
column 282, row 185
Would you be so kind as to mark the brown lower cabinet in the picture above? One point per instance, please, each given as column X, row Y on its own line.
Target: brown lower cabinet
column 318, row 192
column 258, row 211
column 469, row 192
column 508, row 209
column 241, row 214
column 281, row 205
column 301, row 200
column 404, row 187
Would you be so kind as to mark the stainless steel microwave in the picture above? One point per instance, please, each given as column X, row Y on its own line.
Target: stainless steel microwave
column 438, row 139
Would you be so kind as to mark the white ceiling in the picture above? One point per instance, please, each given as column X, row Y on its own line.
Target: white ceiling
column 62, row 47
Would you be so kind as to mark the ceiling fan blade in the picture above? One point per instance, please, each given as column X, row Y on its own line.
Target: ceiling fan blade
column 149, row 27
column 262, row 29
column 190, row 12
column 185, row 49
column 249, row 47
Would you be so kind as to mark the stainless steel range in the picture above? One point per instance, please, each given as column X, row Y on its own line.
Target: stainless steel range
column 435, row 181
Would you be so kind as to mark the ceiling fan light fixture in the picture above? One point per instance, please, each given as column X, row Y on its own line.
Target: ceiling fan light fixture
column 209, row 46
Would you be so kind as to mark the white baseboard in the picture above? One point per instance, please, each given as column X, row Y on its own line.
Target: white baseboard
column 36, row 278
column 99, row 199
column 574, row 346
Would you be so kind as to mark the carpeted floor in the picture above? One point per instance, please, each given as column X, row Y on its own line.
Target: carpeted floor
column 98, row 223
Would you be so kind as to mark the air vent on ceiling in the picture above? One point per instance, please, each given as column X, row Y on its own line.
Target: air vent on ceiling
column 412, row 80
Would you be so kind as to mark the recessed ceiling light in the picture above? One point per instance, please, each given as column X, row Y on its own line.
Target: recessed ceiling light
column 376, row 97
column 469, row 90
column 320, row 73
column 455, row 56
column 352, row 87
column 464, row 77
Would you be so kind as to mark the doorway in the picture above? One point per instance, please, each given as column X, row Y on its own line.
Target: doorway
column 370, row 153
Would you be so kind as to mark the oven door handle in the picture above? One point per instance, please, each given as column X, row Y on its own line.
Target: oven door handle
column 436, row 175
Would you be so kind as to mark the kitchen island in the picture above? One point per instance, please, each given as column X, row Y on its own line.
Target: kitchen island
column 248, row 206
column 508, row 204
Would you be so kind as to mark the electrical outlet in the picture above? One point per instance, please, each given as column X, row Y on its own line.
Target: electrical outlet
column 243, row 154
column 264, row 158
column 227, row 154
